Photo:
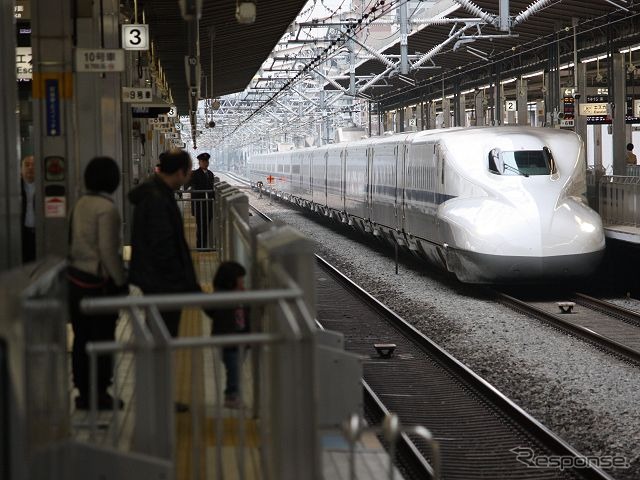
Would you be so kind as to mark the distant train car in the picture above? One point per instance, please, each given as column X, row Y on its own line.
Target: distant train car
column 489, row 204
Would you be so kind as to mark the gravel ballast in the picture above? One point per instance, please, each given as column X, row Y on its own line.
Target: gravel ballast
column 589, row 398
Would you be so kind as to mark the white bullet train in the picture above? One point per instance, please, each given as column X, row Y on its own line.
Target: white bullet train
column 489, row 204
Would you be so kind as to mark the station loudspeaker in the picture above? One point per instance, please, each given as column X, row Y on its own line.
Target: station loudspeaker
column 190, row 9
column 246, row 11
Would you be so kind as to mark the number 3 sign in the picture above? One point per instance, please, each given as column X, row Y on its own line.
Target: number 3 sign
column 135, row 37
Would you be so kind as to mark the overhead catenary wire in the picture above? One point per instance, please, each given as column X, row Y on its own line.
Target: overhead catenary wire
column 385, row 7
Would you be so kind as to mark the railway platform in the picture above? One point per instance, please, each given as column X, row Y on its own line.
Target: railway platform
column 279, row 431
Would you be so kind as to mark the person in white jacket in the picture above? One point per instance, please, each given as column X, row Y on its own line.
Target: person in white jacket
column 95, row 269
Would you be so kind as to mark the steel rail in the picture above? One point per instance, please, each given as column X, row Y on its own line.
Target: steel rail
column 407, row 453
column 631, row 317
column 488, row 392
column 562, row 322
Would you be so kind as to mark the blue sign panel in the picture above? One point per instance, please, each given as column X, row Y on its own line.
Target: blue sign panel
column 52, row 102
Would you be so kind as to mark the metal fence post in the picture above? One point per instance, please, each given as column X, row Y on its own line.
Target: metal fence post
column 293, row 407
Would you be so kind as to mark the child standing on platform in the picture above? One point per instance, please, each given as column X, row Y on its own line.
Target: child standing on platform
column 230, row 277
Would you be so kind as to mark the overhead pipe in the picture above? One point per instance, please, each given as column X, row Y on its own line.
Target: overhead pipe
column 435, row 50
column 334, row 99
column 332, row 82
column 376, row 54
column 531, row 10
column 477, row 11
column 374, row 80
column 443, row 21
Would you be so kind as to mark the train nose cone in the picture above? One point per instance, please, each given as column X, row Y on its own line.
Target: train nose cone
column 523, row 241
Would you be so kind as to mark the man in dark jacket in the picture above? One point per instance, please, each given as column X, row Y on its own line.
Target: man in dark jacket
column 160, row 258
column 202, row 206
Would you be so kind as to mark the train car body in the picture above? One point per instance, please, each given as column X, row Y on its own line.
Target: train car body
column 489, row 204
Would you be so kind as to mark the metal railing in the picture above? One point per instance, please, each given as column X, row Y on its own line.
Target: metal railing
column 391, row 431
column 154, row 431
column 198, row 208
column 33, row 317
column 633, row 170
column 276, row 436
column 619, row 200
column 198, row 211
column 283, row 360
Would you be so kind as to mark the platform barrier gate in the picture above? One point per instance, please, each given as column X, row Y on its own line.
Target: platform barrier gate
column 619, row 200
column 289, row 391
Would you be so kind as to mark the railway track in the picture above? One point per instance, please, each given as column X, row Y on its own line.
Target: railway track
column 480, row 431
column 242, row 181
column 602, row 324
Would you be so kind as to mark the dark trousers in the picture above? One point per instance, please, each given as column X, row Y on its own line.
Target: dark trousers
column 203, row 212
column 28, row 244
column 172, row 321
column 231, row 360
column 89, row 328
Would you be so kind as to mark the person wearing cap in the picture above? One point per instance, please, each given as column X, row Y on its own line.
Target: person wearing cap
column 201, row 184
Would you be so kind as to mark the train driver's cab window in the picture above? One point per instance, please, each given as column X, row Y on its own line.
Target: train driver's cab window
column 522, row 162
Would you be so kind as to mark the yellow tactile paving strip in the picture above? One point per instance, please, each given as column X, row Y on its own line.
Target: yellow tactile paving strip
column 230, row 432
column 189, row 390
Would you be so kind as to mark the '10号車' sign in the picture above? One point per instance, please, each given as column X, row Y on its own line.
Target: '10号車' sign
column 99, row 60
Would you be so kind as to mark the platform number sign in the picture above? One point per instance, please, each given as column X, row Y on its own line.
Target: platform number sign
column 510, row 105
column 173, row 112
column 135, row 37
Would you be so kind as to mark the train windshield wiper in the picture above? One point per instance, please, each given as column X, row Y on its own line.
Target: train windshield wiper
column 513, row 169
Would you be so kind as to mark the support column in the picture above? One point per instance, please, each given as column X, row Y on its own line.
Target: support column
column 10, row 202
column 597, row 147
column 461, row 116
column 540, row 114
column 404, row 38
column 53, row 126
column 352, row 68
column 498, row 107
column 479, row 107
column 581, row 120
column 446, row 113
column 511, row 116
column 432, row 115
column 619, row 114
column 522, row 98
column 98, row 95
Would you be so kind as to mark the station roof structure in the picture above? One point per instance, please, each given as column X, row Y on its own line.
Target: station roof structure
column 238, row 49
column 334, row 62
column 527, row 44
